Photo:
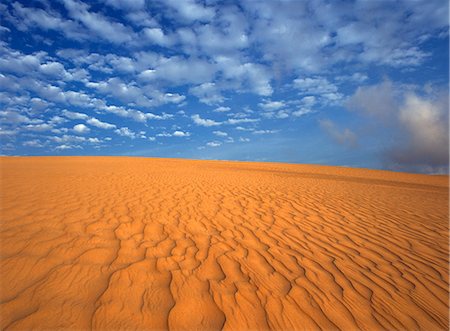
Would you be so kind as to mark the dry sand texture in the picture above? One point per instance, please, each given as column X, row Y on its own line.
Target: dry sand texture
column 135, row 243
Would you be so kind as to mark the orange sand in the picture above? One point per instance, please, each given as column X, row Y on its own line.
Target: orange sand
column 135, row 243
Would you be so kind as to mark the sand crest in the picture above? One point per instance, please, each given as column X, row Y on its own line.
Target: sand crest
column 139, row 244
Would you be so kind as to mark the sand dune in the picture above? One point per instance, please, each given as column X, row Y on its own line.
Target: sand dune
column 139, row 244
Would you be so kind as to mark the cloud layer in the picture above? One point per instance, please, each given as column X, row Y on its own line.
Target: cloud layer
column 118, row 76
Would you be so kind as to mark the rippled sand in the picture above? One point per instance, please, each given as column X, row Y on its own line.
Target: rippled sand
column 135, row 243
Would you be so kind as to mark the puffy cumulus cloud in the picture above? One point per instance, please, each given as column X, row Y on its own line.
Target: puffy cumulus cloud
column 417, row 120
column 290, row 35
column 66, row 146
column 271, row 105
column 33, row 143
column 81, row 128
column 318, row 87
column 222, row 109
column 74, row 115
column 164, row 98
column 179, row 70
column 98, row 24
column 126, row 132
column 54, row 69
column 99, row 124
column 7, row 132
column 246, row 76
column 176, row 133
column 27, row 18
column 189, row 10
column 57, row 120
column 203, row 122
column 13, row 117
column 38, row 127
column 213, row 143
column 38, row 64
column 241, row 120
column 181, row 134
column 207, row 93
column 343, row 137
column 68, row 139
column 302, row 111
column 157, row 36
column 94, row 140
column 264, row 131
column 220, row 133
column 301, row 36
column 134, row 114
column 127, row 92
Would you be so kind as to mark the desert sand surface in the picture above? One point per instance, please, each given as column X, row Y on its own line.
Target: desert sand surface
column 152, row 244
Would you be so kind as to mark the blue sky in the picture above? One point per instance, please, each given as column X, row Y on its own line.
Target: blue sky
column 352, row 83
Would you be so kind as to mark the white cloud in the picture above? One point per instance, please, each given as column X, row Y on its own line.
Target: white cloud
column 242, row 120
column 7, row 132
column 207, row 93
column 302, row 111
column 125, row 132
column 271, row 105
column 81, row 128
column 68, row 139
column 164, row 134
column 29, row 18
column 39, row 127
column 164, row 116
column 99, row 124
column 315, row 85
column 94, row 140
column 213, row 144
column 308, row 101
column 264, row 131
column 190, row 10
column 74, row 115
column 64, row 146
column 181, row 134
column 204, row 122
column 220, row 133
column 33, row 143
column 319, row 87
column 178, row 70
column 136, row 115
column 98, row 24
column 157, row 36
column 10, row 117
column 222, row 109
column 127, row 92
column 54, row 69
column 57, row 120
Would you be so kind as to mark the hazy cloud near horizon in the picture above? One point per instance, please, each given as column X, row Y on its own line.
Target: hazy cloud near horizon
column 294, row 81
column 417, row 121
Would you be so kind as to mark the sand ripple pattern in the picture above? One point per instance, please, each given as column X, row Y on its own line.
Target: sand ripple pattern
column 153, row 244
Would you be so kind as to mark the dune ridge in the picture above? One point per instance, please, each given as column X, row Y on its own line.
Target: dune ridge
column 138, row 244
